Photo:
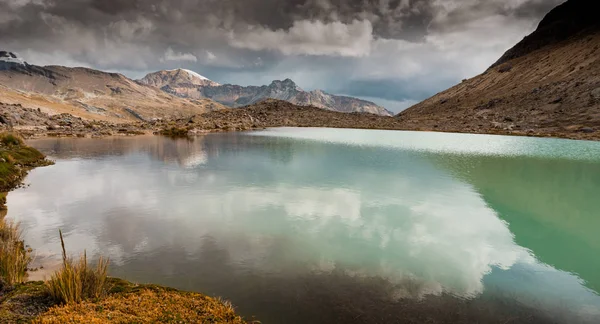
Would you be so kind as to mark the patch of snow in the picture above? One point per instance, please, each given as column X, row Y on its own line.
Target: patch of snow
column 12, row 60
column 191, row 74
column 9, row 57
column 196, row 75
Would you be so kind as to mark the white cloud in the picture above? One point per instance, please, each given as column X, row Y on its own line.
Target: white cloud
column 307, row 37
column 412, row 243
column 15, row 4
column 443, row 55
column 132, row 30
column 394, row 106
column 210, row 56
column 171, row 55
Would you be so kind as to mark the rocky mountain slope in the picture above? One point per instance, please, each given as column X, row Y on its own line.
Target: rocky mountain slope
column 89, row 93
column 179, row 83
column 182, row 77
column 547, row 85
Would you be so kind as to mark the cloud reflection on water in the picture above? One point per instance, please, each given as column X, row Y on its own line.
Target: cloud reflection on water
column 320, row 209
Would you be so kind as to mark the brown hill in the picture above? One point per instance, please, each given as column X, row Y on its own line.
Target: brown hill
column 92, row 94
column 547, row 85
column 280, row 113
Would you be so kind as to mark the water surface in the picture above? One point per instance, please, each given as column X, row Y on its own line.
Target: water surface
column 333, row 225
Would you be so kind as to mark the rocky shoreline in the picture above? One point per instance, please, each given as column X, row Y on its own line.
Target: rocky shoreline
column 32, row 123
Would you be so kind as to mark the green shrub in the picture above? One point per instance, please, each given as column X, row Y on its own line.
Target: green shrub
column 26, row 155
column 8, row 139
column 175, row 132
column 76, row 281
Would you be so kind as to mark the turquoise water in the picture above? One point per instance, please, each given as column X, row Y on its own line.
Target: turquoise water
column 333, row 225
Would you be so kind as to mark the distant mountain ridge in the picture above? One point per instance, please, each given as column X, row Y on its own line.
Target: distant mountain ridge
column 237, row 96
column 89, row 93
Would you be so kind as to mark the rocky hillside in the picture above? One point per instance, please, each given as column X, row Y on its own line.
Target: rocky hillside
column 547, row 85
column 179, row 83
column 278, row 113
column 268, row 113
column 89, row 93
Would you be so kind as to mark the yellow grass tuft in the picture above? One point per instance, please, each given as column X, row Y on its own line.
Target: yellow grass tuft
column 14, row 258
column 76, row 281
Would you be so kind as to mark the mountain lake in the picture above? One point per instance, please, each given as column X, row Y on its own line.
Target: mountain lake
column 311, row 225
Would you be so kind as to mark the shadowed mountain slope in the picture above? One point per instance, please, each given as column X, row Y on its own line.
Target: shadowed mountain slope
column 547, row 85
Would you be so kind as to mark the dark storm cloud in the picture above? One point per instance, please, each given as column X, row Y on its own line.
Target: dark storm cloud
column 535, row 9
column 456, row 13
column 386, row 16
column 114, row 7
column 357, row 47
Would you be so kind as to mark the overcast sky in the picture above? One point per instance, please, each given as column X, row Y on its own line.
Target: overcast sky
column 393, row 52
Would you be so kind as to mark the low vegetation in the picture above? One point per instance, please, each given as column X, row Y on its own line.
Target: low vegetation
column 76, row 281
column 14, row 257
column 11, row 139
column 80, row 293
column 125, row 303
column 15, row 160
column 175, row 131
column 145, row 304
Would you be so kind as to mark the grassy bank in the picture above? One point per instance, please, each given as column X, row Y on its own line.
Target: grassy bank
column 125, row 302
column 16, row 159
column 78, row 292
column 81, row 293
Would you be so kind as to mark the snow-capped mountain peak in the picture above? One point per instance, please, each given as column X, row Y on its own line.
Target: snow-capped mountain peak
column 9, row 57
column 194, row 74
column 189, row 84
column 176, row 78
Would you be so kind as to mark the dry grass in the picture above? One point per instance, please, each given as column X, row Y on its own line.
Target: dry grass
column 15, row 159
column 149, row 305
column 175, row 132
column 14, row 258
column 76, row 281
column 11, row 139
